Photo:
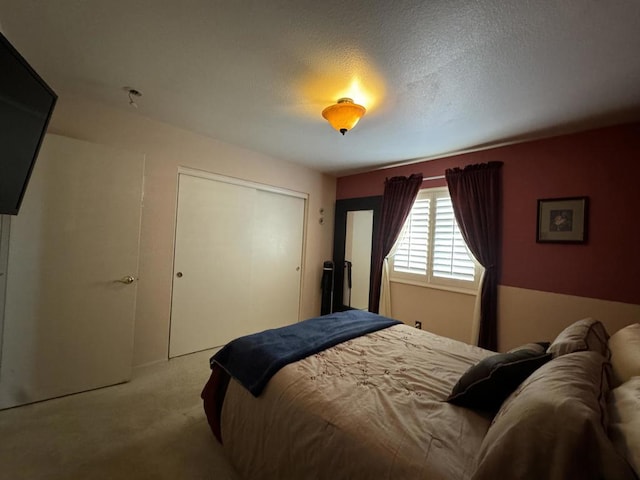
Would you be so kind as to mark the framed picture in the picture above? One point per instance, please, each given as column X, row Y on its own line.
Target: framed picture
column 562, row 220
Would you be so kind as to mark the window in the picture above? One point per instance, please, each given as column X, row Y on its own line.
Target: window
column 431, row 250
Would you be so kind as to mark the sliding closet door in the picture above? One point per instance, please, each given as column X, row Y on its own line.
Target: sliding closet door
column 278, row 223
column 210, row 269
column 237, row 265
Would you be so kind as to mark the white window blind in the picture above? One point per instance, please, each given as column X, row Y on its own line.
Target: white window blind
column 450, row 255
column 411, row 253
column 431, row 250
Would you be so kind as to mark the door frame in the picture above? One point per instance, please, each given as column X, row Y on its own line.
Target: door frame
column 5, row 228
column 373, row 203
column 243, row 183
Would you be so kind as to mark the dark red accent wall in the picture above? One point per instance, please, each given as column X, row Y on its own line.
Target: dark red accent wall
column 602, row 164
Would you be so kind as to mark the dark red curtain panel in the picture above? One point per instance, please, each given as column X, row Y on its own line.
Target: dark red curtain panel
column 476, row 195
column 398, row 198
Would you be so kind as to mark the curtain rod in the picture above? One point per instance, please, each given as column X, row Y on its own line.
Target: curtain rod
column 438, row 177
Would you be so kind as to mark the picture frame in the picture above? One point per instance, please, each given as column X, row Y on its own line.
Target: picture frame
column 562, row 220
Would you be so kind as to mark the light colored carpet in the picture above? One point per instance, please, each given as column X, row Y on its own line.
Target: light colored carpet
column 153, row 427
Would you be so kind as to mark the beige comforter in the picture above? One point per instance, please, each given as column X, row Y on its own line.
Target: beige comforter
column 370, row 408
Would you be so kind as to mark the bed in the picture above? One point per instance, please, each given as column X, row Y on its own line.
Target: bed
column 375, row 406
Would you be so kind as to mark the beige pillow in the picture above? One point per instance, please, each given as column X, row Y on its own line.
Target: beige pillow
column 625, row 353
column 554, row 426
column 624, row 413
column 585, row 334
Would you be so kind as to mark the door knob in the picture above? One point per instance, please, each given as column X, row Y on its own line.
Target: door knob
column 127, row 280
column 179, row 274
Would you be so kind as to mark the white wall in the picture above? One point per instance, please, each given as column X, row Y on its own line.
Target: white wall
column 531, row 315
column 443, row 312
column 167, row 147
column 523, row 315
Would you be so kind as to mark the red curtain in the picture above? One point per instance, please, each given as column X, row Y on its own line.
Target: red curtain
column 398, row 198
column 476, row 195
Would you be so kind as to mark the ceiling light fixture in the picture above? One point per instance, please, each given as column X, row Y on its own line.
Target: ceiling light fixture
column 344, row 115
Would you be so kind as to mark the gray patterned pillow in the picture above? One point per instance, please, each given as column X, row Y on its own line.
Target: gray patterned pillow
column 486, row 384
column 540, row 347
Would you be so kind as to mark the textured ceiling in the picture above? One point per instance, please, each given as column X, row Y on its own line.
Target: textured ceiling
column 436, row 76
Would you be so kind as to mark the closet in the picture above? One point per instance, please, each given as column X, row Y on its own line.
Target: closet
column 238, row 260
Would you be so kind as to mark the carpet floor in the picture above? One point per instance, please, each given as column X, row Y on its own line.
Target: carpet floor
column 153, row 427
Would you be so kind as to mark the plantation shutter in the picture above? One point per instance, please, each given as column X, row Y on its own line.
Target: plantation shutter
column 430, row 249
column 411, row 254
column 451, row 257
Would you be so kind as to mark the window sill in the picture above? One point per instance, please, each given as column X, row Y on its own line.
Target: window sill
column 464, row 291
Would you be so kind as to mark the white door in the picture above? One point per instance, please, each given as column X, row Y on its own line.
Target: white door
column 237, row 265
column 68, row 319
column 278, row 226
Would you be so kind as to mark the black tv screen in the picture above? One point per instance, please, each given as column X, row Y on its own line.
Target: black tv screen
column 26, row 104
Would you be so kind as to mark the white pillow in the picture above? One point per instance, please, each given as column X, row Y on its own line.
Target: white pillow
column 553, row 426
column 624, row 421
column 625, row 353
column 585, row 334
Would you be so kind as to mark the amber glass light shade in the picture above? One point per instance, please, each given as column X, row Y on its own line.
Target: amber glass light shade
column 344, row 115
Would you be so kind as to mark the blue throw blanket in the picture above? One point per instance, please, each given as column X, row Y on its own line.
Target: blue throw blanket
column 254, row 359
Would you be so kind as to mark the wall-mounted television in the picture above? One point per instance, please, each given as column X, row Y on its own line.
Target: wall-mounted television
column 26, row 105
